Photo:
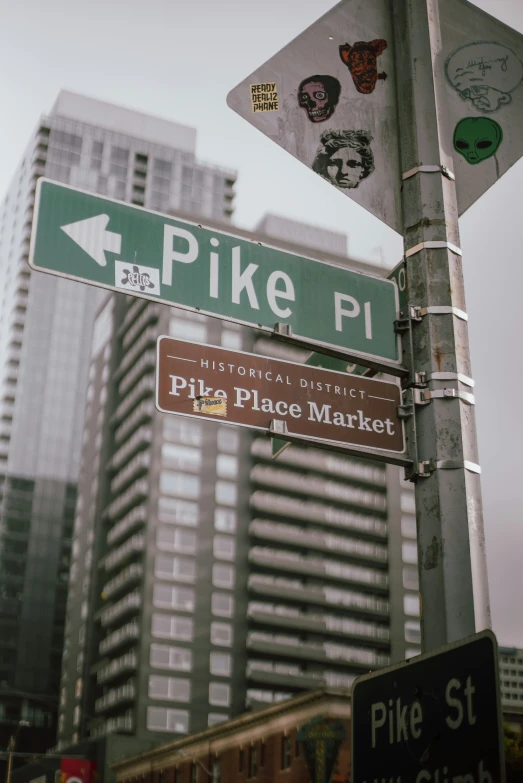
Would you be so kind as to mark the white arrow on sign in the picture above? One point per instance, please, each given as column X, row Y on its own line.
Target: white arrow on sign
column 92, row 237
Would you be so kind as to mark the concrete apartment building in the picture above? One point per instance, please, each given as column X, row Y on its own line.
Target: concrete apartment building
column 45, row 343
column 207, row 580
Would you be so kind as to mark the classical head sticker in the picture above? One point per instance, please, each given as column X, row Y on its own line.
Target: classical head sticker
column 477, row 138
column 484, row 73
column 344, row 158
column 319, row 96
column 362, row 61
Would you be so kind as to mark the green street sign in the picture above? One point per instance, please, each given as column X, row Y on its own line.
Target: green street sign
column 125, row 248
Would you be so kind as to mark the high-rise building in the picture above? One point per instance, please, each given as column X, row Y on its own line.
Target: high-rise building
column 45, row 343
column 206, row 579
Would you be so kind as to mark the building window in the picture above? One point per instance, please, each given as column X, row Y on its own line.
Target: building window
column 226, row 493
column 225, row 520
column 182, row 431
column 219, row 694
column 408, row 526
column 163, row 719
column 179, row 484
column 76, row 715
column 407, row 502
column 175, row 456
column 220, row 664
column 224, row 547
column 410, row 578
column 193, row 777
column 169, row 688
column 412, row 631
column 262, row 754
column 78, row 688
column 221, row 634
column 171, row 539
column 163, row 656
column 187, row 330
column 169, row 597
column 216, row 762
column 409, row 552
column 285, row 753
column 223, row 575
column 181, row 569
column 180, row 512
column 253, row 762
column 231, row 340
column 411, row 605
column 228, row 440
column 241, row 760
column 227, row 466
column 165, row 626
column 222, row 605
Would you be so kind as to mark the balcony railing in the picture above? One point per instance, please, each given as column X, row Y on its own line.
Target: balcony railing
column 310, row 484
column 125, row 663
column 294, row 648
column 322, row 461
column 121, row 636
column 131, row 547
column 130, row 575
column 130, row 603
column 310, row 539
column 295, row 590
column 136, row 517
column 330, row 569
column 116, row 696
column 322, row 513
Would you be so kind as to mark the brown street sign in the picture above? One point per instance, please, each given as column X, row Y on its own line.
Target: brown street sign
column 234, row 387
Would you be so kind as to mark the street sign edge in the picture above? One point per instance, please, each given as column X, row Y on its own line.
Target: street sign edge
column 313, row 439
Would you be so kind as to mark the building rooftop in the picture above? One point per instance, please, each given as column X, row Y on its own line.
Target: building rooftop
column 121, row 119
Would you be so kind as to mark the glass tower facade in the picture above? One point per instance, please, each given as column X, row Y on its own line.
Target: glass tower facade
column 45, row 344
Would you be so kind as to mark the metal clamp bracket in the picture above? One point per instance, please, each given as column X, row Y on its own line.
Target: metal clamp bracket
column 284, row 329
column 426, row 396
column 428, row 170
column 417, row 313
column 425, row 377
column 435, row 245
column 429, row 466
column 278, row 427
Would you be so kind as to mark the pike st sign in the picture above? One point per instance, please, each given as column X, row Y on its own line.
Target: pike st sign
column 433, row 719
column 125, row 248
column 234, row 387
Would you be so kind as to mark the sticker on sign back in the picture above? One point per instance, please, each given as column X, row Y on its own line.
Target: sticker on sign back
column 136, row 277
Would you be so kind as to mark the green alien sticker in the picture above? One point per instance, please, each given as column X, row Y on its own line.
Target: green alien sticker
column 477, row 138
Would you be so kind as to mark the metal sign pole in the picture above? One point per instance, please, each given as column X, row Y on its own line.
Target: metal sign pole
column 451, row 545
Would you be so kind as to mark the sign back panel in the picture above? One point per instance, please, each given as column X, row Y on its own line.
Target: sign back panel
column 329, row 98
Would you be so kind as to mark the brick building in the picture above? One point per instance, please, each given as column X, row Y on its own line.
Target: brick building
column 267, row 746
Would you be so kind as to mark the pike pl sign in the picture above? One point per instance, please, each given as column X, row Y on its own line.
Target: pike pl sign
column 125, row 248
column 234, row 387
column 433, row 719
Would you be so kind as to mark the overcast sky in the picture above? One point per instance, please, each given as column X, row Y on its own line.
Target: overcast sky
column 178, row 60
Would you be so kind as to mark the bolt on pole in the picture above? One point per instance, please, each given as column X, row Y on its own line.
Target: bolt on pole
column 451, row 543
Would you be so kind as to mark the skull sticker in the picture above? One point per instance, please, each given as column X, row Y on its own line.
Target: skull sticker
column 484, row 73
column 477, row 138
column 344, row 158
column 362, row 61
column 319, row 96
